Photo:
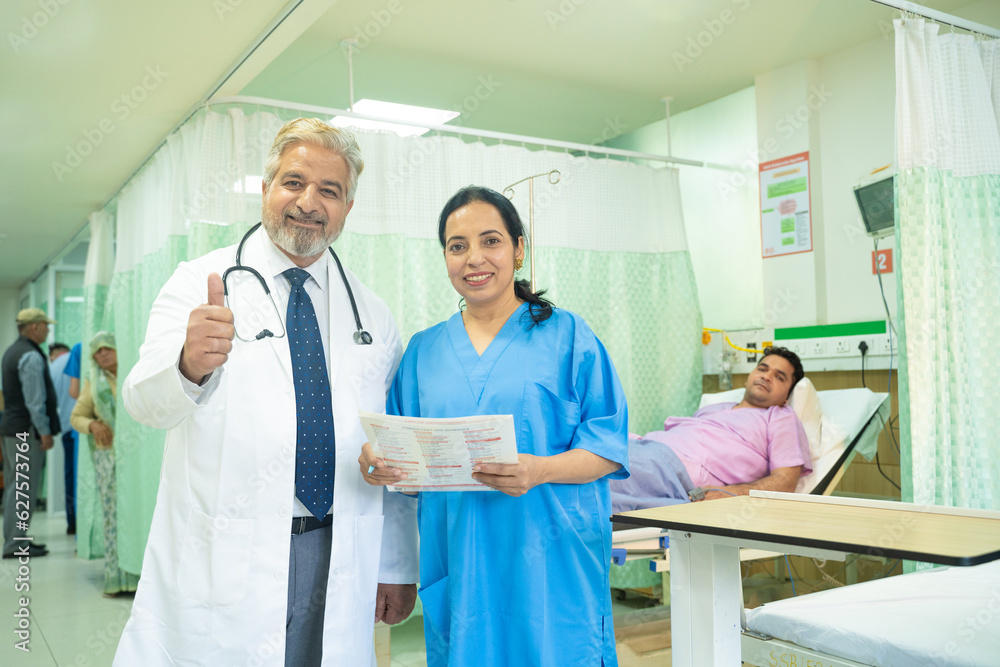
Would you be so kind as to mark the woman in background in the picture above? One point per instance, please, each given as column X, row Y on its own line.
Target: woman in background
column 94, row 416
column 518, row 577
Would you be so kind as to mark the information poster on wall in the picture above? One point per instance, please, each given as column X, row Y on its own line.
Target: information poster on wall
column 785, row 223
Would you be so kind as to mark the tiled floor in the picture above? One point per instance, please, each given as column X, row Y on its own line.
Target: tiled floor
column 73, row 624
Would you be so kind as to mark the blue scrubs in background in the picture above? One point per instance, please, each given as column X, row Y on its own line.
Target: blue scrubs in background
column 519, row 581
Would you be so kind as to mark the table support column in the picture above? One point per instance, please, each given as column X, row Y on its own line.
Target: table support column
column 706, row 601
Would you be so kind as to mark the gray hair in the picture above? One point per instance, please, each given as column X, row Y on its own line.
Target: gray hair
column 316, row 132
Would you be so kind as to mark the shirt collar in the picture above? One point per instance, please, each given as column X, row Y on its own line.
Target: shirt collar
column 279, row 263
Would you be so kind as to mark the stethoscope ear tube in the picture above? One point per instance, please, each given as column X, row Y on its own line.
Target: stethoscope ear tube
column 361, row 337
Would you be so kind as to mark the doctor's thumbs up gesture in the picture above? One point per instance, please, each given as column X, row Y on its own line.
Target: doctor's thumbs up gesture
column 209, row 335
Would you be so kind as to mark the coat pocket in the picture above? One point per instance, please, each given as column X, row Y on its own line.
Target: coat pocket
column 214, row 567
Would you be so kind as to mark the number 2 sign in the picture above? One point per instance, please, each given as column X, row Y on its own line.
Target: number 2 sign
column 882, row 261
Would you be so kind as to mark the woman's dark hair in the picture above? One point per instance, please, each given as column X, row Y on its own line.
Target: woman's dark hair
column 539, row 308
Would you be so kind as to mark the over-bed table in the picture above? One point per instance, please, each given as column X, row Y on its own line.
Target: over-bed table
column 707, row 614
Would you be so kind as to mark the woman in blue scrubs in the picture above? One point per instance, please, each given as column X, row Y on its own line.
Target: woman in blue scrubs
column 518, row 577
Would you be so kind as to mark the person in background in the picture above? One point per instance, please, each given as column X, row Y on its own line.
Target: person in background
column 29, row 423
column 725, row 449
column 73, row 370
column 58, row 356
column 94, row 416
column 518, row 577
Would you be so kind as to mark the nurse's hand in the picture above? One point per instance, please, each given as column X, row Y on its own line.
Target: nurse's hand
column 210, row 334
column 376, row 471
column 394, row 602
column 514, row 479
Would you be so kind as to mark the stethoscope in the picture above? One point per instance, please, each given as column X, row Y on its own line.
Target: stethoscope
column 361, row 337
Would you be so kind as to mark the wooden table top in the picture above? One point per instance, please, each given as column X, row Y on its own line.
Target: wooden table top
column 904, row 532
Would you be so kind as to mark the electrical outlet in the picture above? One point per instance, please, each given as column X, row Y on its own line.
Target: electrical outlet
column 885, row 344
column 843, row 347
column 817, row 348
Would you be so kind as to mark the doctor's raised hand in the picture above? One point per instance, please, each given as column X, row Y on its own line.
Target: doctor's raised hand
column 210, row 334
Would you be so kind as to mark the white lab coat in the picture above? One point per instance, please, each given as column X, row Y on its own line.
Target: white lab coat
column 214, row 579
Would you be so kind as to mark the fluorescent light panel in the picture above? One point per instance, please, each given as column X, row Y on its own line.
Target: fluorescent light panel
column 403, row 112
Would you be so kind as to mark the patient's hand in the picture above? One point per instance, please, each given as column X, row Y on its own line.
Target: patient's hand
column 715, row 494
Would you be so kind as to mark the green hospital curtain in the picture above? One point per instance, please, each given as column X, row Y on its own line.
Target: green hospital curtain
column 96, row 278
column 948, row 236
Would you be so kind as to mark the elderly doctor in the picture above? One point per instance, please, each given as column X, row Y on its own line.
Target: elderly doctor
column 267, row 547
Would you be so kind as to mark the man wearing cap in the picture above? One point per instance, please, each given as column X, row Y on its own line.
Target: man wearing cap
column 31, row 417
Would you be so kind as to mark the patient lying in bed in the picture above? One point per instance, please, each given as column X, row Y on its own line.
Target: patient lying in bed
column 724, row 449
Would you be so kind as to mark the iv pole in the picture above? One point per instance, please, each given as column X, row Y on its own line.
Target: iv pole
column 508, row 191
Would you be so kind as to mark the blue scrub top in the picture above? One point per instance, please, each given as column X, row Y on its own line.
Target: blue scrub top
column 519, row 581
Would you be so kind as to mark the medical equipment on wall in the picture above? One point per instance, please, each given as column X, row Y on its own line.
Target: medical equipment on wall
column 361, row 337
column 875, row 195
column 509, row 193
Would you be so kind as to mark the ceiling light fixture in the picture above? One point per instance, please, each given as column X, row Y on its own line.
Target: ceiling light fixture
column 414, row 116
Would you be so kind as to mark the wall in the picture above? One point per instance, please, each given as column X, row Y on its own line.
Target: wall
column 9, row 305
column 719, row 204
column 841, row 110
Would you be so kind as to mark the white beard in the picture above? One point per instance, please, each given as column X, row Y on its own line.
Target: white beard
column 295, row 241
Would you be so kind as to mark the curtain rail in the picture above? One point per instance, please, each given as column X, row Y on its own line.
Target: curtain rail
column 940, row 17
column 483, row 134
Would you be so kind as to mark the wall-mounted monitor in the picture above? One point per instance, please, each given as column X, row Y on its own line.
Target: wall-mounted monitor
column 875, row 201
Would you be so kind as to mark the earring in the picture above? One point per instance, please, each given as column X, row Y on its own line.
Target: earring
column 518, row 263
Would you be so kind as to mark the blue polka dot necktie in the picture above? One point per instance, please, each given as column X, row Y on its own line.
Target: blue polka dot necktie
column 315, row 450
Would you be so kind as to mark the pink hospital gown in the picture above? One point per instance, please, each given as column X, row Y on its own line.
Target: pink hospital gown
column 721, row 445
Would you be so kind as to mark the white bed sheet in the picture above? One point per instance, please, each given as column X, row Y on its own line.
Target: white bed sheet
column 946, row 616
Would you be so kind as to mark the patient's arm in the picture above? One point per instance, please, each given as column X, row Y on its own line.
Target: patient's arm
column 780, row 479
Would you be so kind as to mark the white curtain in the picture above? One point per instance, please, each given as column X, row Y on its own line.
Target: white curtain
column 948, row 239
column 609, row 245
column 96, row 279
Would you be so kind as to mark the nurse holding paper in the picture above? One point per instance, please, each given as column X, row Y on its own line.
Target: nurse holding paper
column 518, row 577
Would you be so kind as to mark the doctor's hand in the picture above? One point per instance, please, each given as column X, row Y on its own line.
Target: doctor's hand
column 209, row 335
column 514, row 479
column 394, row 602
column 381, row 474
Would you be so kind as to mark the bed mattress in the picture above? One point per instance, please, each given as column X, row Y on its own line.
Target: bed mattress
column 942, row 617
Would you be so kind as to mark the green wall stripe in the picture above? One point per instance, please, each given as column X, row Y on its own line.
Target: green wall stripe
column 831, row 330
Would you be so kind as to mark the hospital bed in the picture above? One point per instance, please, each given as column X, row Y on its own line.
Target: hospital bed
column 946, row 617
column 839, row 424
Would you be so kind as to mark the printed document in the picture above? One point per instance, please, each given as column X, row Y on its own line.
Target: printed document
column 438, row 454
